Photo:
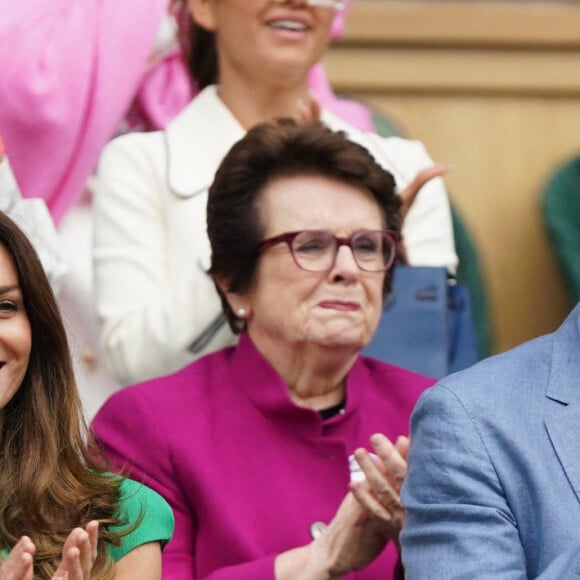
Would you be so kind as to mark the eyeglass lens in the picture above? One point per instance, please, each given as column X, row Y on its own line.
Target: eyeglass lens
column 373, row 251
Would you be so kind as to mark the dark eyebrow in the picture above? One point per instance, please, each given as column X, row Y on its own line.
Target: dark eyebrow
column 7, row 289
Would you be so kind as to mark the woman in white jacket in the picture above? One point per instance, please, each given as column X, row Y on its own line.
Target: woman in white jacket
column 159, row 309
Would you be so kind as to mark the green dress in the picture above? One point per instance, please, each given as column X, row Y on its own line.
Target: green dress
column 143, row 506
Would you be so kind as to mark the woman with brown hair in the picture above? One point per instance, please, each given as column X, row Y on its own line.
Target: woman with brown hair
column 261, row 448
column 61, row 515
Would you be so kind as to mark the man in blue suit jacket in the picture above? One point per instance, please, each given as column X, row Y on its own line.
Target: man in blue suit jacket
column 493, row 484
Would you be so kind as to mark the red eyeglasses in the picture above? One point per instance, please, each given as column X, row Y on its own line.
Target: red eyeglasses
column 316, row 251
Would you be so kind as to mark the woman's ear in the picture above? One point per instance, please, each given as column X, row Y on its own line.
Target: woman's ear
column 238, row 303
column 222, row 284
column 202, row 13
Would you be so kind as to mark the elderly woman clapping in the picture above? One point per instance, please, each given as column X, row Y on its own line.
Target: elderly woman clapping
column 259, row 447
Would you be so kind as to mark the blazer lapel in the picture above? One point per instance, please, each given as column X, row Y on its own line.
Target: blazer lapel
column 564, row 432
column 196, row 141
column 563, row 417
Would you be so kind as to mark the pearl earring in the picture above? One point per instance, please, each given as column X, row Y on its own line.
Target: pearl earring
column 241, row 312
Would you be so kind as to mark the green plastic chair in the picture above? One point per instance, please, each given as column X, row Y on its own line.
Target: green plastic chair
column 469, row 271
column 560, row 207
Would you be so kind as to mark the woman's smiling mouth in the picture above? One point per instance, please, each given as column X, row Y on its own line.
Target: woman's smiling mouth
column 291, row 25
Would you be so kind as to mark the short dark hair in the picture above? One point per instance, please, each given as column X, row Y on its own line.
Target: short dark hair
column 281, row 148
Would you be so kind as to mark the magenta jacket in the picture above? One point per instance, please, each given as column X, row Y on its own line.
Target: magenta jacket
column 246, row 471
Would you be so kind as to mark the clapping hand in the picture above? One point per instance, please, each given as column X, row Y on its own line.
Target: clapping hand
column 79, row 553
column 370, row 515
column 78, row 556
column 379, row 492
column 19, row 563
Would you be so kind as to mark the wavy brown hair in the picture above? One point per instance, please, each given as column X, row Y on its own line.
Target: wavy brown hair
column 50, row 479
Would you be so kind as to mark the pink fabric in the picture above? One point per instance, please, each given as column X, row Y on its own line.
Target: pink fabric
column 76, row 68
column 246, row 471
column 167, row 89
column 354, row 113
column 69, row 70
column 164, row 91
column 339, row 21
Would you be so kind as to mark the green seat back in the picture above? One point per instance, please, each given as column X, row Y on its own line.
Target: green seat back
column 385, row 126
column 561, row 214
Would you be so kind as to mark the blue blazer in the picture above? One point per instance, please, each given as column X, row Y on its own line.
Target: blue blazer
column 493, row 486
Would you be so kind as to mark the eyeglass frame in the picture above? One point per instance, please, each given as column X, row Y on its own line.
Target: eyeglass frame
column 289, row 237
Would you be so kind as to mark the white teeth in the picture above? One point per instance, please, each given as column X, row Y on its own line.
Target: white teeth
column 288, row 25
column 332, row 4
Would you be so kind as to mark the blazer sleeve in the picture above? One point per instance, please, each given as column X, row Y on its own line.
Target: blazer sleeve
column 566, row 565
column 459, row 524
column 133, row 441
column 145, row 517
column 136, row 446
column 150, row 313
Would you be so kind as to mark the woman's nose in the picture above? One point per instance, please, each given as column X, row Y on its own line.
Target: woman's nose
column 345, row 264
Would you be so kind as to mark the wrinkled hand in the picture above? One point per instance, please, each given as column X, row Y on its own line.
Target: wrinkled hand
column 370, row 515
column 352, row 540
column 379, row 492
column 409, row 194
column 79, row 553
column 19, row 563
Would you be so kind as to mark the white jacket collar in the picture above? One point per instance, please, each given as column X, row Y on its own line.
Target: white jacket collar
column 197, row 141
column 200, row 136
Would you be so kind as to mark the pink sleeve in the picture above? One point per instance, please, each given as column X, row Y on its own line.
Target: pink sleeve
column 70, row 73
column 136, row 445
column 262, row 569
column 134, row 442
